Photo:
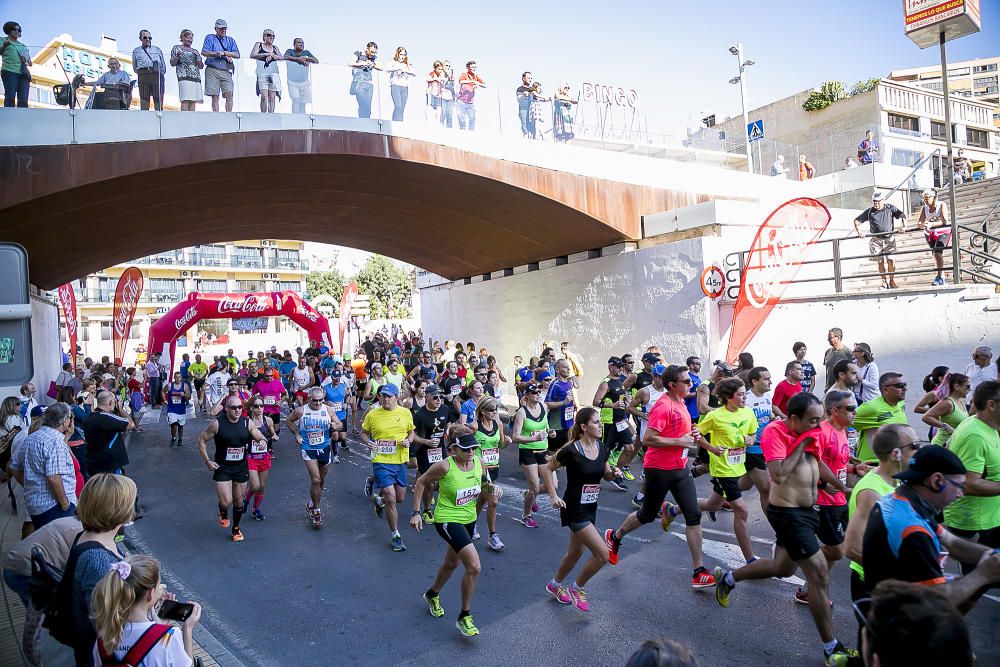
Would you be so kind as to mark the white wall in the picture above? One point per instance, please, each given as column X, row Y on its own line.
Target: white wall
column 46, row 352
column 610, row 305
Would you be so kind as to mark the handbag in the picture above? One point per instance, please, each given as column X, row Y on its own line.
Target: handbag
column 53, row 391
column 6, row 441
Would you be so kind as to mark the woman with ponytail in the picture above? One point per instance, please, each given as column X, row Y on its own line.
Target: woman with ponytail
column 124, row 610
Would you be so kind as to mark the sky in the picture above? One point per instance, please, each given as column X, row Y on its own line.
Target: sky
column 674, row 53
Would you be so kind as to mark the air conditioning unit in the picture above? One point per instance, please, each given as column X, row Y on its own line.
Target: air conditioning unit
column 196, row 274
column 269, row 276
column 268, row 244
column 185, row 274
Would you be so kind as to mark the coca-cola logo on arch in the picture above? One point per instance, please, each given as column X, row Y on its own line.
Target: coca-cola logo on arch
column 186, row 318
column 249, row 304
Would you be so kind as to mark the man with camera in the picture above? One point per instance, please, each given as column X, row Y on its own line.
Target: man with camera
column 220, row 51
column 150, row 67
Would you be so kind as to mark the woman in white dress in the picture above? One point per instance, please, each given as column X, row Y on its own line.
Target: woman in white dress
column 188, row 63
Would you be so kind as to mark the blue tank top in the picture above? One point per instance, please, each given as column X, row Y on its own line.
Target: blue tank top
column 314, row 427
column 337, row 396
column 176, row 404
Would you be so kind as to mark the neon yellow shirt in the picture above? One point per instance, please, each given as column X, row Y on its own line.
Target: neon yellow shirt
column 198, row 371
column 388, row 429
column 726, row 429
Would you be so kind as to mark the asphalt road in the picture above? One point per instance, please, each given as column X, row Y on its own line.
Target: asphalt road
column 292, row 595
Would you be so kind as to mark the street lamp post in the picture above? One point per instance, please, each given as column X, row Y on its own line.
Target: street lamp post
column 741, row 80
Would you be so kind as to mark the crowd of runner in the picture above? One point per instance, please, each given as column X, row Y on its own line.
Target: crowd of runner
column 836, row 476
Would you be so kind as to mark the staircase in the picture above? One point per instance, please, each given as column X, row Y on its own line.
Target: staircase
column 973, row 202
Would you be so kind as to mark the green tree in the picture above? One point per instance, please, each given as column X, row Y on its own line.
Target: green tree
column 384, row 281
column 326, row 282
column 862, row 87
column 827, row 94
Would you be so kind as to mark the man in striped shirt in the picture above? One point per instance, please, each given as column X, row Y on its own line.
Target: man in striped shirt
column 44, row 466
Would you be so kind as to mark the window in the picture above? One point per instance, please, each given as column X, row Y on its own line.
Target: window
column 906, row 124
column 933, row 85
column 961, row 71
column 977, row 138
column 249, row 285
column 248, row 256
column 985, row 81
column 293, row 285
column 902, row 157
column 984, row 68
column 165, row 289
column 213, row 327
column 212, row 286
column 210, row 255
column 105, row 330
column 937, row 131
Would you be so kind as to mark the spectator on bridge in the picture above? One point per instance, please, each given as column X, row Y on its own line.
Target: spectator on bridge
column 297, row 61
column 467, row 84
column 361, row 78
column 150, row 67
column 44, row 466
column 524, row 97
column 117, row 86
column 448, row 96
column 220, row 52
column 806, row 170
column 962, row 170
column 14, row 71
column 850, row 163
column 435, row 88
column 562, row 114
column 539, row 112
column 882, row 230
column 400, row 75
column 267, row 56
column 778, row 168
column 188, row 64
column 868, row 149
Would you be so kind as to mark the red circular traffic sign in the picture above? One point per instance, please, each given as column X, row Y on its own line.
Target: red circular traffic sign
column 713, row 282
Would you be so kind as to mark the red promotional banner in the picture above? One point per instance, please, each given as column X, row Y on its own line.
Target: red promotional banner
column 346, row 305
column 68, row 300
column 126, row 300
column 164, row 332
column 777, row 252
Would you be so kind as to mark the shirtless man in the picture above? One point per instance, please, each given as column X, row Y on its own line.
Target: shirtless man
column 795, row 467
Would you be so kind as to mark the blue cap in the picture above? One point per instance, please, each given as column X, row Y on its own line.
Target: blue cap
column 389, row 390
column 658, row 369
column 546, row 375
column 336, row 374
column 37, row 411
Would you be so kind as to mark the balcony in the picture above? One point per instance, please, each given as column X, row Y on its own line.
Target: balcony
column 148, row 297
column 192, row 260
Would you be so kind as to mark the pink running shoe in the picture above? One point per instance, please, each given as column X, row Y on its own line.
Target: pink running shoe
column 559, row 593
column 579, row 598
column 529, row 522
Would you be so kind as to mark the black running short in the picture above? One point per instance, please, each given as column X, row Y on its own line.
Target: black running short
column 558, row 441
column 238, row 473
column 527, row 457
column 727, row 487
column 795, row 530
column 678, row 482
column 457, row 535
column 616, row 439
column 755, row 462
column 832, row 524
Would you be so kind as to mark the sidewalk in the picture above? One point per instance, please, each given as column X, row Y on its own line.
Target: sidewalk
column 12, row 611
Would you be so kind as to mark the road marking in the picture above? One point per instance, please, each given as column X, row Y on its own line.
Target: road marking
column 731, row 556
column 150, row 417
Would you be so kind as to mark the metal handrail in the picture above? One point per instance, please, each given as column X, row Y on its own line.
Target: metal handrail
column 916, row 167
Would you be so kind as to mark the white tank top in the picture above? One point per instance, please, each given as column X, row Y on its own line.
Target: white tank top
column 300, row 377
column 654, row 396
column 933, row 215
column 314, row 427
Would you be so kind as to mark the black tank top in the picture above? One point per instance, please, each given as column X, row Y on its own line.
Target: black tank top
column 231, row 442
column 616, row 389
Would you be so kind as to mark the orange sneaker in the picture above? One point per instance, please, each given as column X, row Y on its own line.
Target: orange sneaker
column 237, row 535
column 224, row 521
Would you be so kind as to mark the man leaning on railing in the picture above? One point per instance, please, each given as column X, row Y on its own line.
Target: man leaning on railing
column 881, row 219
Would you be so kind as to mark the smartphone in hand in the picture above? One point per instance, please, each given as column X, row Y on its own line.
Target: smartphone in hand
column 171, row 610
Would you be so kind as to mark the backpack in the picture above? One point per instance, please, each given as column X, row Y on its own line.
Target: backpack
column 138, row 652
column 55, row 598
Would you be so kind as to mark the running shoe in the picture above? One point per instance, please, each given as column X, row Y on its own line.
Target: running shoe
column 712, row 516
column 666, row 514
column 801, row 596
column 726, row 506
column 317, row 518
column 258, row 515
column 534, row 505
column 494, row 543
column 579, row 597
column 466, row 626
column 475, row 532
column 397, row 543
column 702, row 578
column 224, row 521
column 237, row 535
column 336, row 458
column 938, row 281
column 613, row 546
column 433, row 605
column 369, row 483
column 627, row 474
column 427, row 516
column 529, row 522
column 619, row 484
column 722, row 589
column 559, row 593
column 379, row 507
column 614, row 456
column 636, row 503
column 841, row 656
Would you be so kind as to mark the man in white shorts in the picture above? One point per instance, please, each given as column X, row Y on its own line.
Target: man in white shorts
column 297, row 61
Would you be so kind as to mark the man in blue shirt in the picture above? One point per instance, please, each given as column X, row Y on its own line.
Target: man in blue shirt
column 117, row 85
column 297, row 61
column 220, row 51
column 560, row 403
column 691, row 400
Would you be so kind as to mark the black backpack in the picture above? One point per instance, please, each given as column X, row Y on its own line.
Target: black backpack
column 51, row 592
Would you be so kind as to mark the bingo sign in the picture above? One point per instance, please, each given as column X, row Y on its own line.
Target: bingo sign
column 713, row 282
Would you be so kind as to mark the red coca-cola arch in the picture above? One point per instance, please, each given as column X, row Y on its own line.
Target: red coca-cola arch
column 163, row 333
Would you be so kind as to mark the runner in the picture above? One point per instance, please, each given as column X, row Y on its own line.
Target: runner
column 302, row 379
column 758, row 399
column 313, row 423
column 424, row 369
column 260, row 456
column 611, row 398
column 945, row 415
column 792, row 451
column 453, row 384
column 285, row 368
column 668, row 439
column 388, row 431
column 395, row 374
column 358, row 364
column 417, row 397
column 489, row 433
column 531, row 432
column 561, row 402
column 215, row 386
column 177, row 395
column 459, row 480
column 335, row 396
column 474, row 392
column 639, row 407
column 236, row 387
column 585, row 458
column 430, row 425
column 729, row 430
column 198, row 371
column 232, row 435
column 271, row 390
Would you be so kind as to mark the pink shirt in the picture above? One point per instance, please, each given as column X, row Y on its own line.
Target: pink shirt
column 670, row 420
column 836, row 453
column 778, row 441
column 272, row 391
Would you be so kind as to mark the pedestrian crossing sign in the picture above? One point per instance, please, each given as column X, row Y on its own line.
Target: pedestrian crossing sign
column 755, row 130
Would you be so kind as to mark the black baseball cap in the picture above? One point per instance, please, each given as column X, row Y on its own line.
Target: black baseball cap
column 532, row 388
column 929, row 460
column 650, row 358
column 432, row 390
column 467, row 441
column 615, row 361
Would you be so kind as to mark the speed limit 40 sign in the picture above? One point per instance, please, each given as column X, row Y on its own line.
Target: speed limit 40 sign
column 713, row 282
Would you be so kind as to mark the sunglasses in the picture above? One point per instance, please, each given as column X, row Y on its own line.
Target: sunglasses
column 897, row 385
column 861, row 609
column 258, row 405
column 234, row 407
column 849, row 408
column 232, row 384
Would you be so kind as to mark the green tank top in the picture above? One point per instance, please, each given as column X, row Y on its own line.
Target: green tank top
column 957, row 415
column 532, row 426
column 457, row 493
column 489, row 446
column 616, row 389
column 870, row 482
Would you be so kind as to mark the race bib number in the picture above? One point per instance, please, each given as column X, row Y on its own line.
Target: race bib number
column 235, row 453
column 852, row 440
column 589, row 494
column 269, row 400
column 175, row 400
column 736, row 456
column 622, row 425
column 491, row 457
column 456, row 390
column 466, row 496
column 258, row 447
column 434, row 455
column 569, row 412
column 842, row 476
column 338, row 407
column 315, row 439
column 684, row 454
column 385, row 447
